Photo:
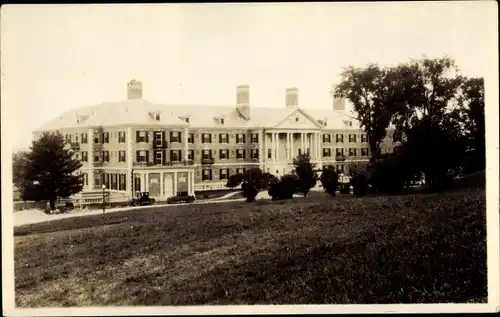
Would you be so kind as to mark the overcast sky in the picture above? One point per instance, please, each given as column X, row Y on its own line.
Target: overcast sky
column 55, row 58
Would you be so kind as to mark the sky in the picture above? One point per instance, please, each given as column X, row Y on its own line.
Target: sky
column 60, row 57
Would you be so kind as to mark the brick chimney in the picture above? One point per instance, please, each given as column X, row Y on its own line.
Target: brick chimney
column 338, row 104
column 292, row 97
column 134, row 89
column 243, row 101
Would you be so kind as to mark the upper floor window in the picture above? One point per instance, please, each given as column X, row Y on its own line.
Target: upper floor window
column 206, row 138
column 254, row 154
column 105, row 137
column 191, row 155
column 121, row 137
column 206, row 154
column 255, row 138
column 223, row 154
column 84, row 138
column 121, row 156
column 352, row 138
column 175, row 136
column 240, row 153
column 364, row 138
column 142, row 156
column 223, row 138
column 142, row 136
column 339, row 152
column 240, row 138
column 339, row 138
column 352, row 152
column 364, row 152
column 327, row 152
column 327, row 138
column 191, row 138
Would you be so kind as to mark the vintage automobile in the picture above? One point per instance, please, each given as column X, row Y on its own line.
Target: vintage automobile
column 142, row 199
column 182, row 197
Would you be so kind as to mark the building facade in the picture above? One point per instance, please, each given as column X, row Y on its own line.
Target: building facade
column 136, row 145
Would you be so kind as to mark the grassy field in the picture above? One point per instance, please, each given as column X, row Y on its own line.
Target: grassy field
column 320, row 249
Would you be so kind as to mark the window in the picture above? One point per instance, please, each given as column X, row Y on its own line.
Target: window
column 96, row 139
column 240, row 138
column 84, row 138
column 240, row 170
column 206, row 154
column 121, row 156
column 142, row 156
column 270, row 153
column 96, row 157
column 364, row 152
column 240, row 153
column 68, row 138
column 339, row 152
column 121, row 137
column 141, row 136
column 186, row 119
column 175, row 136
column 352, row 138
column 206, row 138
column 364, row 138
column 254, row 153
column 221, row 120
column 206, row 175
column 97, row 179
column 157, row 117
column 223, row 154
column 191, row 155
column 340, row 168
column 191, row 138
column 85, row 179
column 223, row 138
column 339, row 138
column 158, row 138
column 327, row 152
column 159, row 157
column 85, row 156
column 352, row 152
column 223, row 173
column 105, row 137
column 105, row 156
column 122, row 179
column 255, row 138
column 175, row 155
column 327, row 138
column 76, row 138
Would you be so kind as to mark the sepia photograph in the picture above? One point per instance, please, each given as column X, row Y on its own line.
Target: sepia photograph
column 219, row 158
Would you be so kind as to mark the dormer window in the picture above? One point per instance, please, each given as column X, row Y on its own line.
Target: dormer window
column 157, row 117
column 187, row 120
column 221, row 120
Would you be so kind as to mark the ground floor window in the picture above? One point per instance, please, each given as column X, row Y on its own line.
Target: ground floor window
column 206, row 175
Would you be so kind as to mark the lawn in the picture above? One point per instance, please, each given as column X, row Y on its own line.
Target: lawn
column 319, row 249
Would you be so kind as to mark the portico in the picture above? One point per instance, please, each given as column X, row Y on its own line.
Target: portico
column 164, row 183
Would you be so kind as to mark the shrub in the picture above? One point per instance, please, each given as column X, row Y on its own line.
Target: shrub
column 304, row 170
column 330, row 180
column 345, row 188
column 284, row 188
column 359, row 183
column 249, row 191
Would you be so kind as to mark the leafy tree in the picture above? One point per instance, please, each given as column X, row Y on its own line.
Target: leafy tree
column 252, row 181
column 424, row 87
column 329, row 179
column 372, row 94
column 304, row 170
column 470, row 115
column 19, row 163
column 49, row 171
column 284, row 188
column 356, row 168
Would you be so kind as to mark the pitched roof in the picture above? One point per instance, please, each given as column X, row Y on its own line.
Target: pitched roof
column 140, row 111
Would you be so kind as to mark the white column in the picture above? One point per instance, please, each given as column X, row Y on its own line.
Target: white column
column 287, row 146
column 130, row 161
column 302, row 143
column 292, row 154
column 273, row 146
column 192, row 183
column 90, row 158
column 261, row 149
column 146, row 176
column 186, row 148
column 277, row 146
column 175, row 183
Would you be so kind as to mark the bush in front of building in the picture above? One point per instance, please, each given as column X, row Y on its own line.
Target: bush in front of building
column 284, row 188
column 359, row 184
column 329, row 180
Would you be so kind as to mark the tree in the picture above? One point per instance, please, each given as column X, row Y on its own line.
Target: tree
column 470, row 115
column 371, row 92
column 424, row 87
column 329, row 179
column 252, row 181
column 356, row 168
column 304, row 170
column 284, row 188
column 50, row 170
column 19, row 163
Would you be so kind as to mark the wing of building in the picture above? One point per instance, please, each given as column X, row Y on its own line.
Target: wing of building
column 137, row 145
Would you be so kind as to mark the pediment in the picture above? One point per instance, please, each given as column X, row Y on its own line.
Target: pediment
column 298, row 120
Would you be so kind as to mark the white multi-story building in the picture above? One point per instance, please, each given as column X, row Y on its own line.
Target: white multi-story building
column 137, row 145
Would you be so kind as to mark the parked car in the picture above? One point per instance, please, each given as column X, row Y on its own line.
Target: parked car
column 142, row 199
column 182, row 197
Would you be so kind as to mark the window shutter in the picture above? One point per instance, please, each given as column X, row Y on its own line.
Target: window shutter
column 180, row 136
column 136, row 136
column 163, row 136
column 147, row 136
column 137, row 154
column 244, row 138
column 164, row 155
column 147, row 156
